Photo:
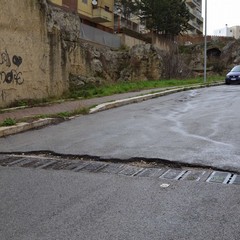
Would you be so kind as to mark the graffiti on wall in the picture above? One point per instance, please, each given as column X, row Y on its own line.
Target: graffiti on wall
column 12, row 75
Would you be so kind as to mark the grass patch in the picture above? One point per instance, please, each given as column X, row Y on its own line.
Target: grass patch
column 63, row 115
column 8, row 122
column 107, row 89
column 82, row 111
column 123, row 87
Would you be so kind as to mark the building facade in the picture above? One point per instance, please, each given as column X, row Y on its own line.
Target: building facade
column 136, row 23
column 236, row 31
column 97, row 13
column 228, row 32
column 196, row 19
column 100, row 14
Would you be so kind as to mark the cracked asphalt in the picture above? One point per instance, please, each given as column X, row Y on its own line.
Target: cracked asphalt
column 197, row 127
column 43, row 198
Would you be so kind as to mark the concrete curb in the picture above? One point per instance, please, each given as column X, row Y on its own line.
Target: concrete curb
column 122, row 102
column 20, row 127
column 119, row 103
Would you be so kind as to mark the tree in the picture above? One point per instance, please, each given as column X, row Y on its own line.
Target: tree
column 166, row 17
column 127, row 7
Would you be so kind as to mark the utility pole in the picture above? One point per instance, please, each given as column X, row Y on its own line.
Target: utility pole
column 205, row 44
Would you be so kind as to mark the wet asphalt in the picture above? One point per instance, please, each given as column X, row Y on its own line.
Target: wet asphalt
column 197, row 127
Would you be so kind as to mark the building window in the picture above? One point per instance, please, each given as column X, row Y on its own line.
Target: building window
column 85, row 1
column 107, row 9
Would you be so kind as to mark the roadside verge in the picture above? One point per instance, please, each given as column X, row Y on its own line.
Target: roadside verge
column 25, row 126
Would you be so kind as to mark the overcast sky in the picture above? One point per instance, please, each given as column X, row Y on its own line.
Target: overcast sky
column 220, row 13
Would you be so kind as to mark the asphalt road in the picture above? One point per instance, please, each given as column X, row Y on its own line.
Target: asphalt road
column 63, row 205
column 198, row 126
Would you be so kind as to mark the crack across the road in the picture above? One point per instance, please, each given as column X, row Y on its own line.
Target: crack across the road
column 148, row 162
column 135, row 167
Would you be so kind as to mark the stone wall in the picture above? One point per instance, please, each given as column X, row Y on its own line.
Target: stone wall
column 42, row 55
column 31, row 59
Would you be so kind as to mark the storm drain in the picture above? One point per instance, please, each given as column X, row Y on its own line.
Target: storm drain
column 167, row 173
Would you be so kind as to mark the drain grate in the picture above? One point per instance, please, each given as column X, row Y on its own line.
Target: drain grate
column 120, row 169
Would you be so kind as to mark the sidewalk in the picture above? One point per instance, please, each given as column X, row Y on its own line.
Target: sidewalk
column 96, row 104
column 70, row 105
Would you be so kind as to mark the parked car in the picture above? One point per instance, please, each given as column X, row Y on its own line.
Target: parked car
column 233, row 76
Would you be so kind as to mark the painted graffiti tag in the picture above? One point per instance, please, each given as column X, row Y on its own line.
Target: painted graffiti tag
column 17, row 60
column 13, row 75
column 5, row 59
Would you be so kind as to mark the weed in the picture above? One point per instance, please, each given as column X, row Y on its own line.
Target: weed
column 57, row 115
column 64, row 114
column 8, row 122
column 123, row 87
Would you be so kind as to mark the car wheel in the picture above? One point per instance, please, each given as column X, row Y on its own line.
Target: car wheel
column 227, row 82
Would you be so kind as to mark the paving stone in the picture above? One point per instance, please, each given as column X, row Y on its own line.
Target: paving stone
column 194, row 175
column 4, row 157
column 35, row 163
column 112, row 168
column 219, row 177
column 20, row 161
column 235, row 180
column 151, row 172
column 46, row 164
column 8, row 160
column 173, row 174
column 94, row 166
column 72, row 166
column 58, row 165
column 130, row 171
column 80, row 166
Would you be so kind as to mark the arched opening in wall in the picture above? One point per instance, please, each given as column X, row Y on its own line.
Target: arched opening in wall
column 214, row 60
column 213, row 53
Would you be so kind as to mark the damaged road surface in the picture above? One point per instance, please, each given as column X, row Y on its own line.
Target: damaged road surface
column 164, row 169
column 198, row 127
column 136, row 168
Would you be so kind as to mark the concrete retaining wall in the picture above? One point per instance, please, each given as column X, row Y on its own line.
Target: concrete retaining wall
column 31, row 59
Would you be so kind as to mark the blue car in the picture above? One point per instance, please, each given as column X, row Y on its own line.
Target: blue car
column 233, row 76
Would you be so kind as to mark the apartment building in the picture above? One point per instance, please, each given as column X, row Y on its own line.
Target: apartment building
column 137, row 24
column 100, row 14
column 196, row 19
column 96, row 13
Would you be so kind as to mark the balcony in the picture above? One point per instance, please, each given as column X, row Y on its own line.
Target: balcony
column 196, row 14
column 196, row 25
column 100, row 15
column 193, row 3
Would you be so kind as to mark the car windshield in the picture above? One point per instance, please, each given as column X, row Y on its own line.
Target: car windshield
column 236, row 69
